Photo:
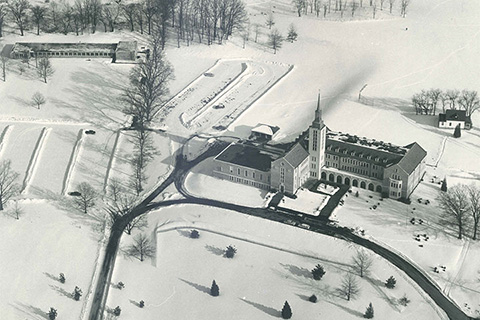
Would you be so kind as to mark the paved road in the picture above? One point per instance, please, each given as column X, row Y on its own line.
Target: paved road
column 316, row 225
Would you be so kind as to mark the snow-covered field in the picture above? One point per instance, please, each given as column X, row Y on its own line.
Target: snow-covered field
column 306, row 201
column 200, row 183
column 427, row 243
column 47, row 240
column 272, row 265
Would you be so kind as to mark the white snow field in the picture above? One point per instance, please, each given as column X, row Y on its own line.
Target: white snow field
column 307, row 202
column 424, row 240
column 272, row 265
column 46, row 241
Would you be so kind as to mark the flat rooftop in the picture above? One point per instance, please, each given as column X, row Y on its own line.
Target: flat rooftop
column 249, row 156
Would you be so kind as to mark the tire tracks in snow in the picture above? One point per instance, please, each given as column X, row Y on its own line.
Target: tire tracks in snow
column 31, row 168
column 4, row 138
column 72, row 161
column 453, row 279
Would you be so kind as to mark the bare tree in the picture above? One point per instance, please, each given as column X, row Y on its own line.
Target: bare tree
column 144, row 151
column 391, row 3
column 3, row 14
column 349, row 286
column 403, row 7
column 256, row 29
column 4, row 62
column 38, row 15
column 38, row 99
column 299, row 6
column 17, row 210
column 473, row 195
column 8, row 185
column 270, row 21
column 141, row 248
column 382, row 2
column 374, row 9
column 354, row 6
column 121, row 204
column 148, row 86
column 452, row 97
column 45, row 69
column 434, row 96
column 87, row 197
column 469, row 101
column 455, row 206
column 362, row 261
column 130, row 14
column 18, row 9
column 66, row 17
column 275, row 40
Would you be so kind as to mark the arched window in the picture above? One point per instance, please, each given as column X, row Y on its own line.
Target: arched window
column 363, row 185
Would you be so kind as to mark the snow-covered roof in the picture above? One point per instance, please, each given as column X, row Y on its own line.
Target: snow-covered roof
column 265, row 129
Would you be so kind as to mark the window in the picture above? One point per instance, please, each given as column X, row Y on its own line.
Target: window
column 261, row 176
column 231, row 169
column 282, row 174
column 253, row 175
column 238, row 171
column 246, row 173
column 315, row 140
column 314, row 159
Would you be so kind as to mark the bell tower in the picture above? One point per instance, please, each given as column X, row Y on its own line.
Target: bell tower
column 316, row 142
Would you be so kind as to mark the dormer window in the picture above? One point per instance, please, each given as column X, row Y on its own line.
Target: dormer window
column 377, row 159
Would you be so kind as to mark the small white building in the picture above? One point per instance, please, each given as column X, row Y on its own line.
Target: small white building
column 451, row 118
column 264, row 132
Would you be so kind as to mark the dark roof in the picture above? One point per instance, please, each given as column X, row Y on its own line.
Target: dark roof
column 296, row 155
column 362, row 153
column 413, row 158
column 53, row 46
column 453, row 115
column 7, row 49
column 248, row 156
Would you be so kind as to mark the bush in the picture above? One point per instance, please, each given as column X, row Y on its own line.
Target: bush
column 141, row 304
column 356, row 194
column 214, row 290
column 194, row 234
column 444, row 185
column 77, row 293
column 61, row 278
column 313, row 298
column 286, row 311
column 318, row 272
column 458, row 132
column 230, row 252
column 404, row 301
column 390, row 283
column 52, row 314
column 369, row 313
column 117, row 311
column 120, row 285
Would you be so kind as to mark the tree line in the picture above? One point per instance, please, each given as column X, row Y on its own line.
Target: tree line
column 326, row 7
column 204, row 20
column 428, row 101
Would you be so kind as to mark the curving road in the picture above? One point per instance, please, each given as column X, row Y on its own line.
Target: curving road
column 316, row 225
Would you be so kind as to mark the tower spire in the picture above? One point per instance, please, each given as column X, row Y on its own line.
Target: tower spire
column 318, row 112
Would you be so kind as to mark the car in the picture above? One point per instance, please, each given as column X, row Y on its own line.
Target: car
column 74, row 194
column 219, row 128
column 304, row 226
column 219, row 106
column 90, row 132
column 290, row 222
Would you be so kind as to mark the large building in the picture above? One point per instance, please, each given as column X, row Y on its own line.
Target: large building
column 347, row 159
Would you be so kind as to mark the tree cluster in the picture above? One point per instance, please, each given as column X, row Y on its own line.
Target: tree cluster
column 205, row 20
column 461, row 208
column 327, row 7
column 428, row 101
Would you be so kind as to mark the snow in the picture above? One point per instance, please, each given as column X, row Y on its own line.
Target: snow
column 328, row 189
column 307, row 202
column 272, row 265
column 43, row 243
column 199, row 182
column 390, row 225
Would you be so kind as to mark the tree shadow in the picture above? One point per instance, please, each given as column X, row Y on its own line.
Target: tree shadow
column 347, row 309
column 30, row 311
column 51, row 276
column 184, row 233
column 135, row 303
column 270, row 311
column 62, row 291
column 197, row 286
column 375, row 282
column 215, row 250
column 297, row 271
column 303, row 297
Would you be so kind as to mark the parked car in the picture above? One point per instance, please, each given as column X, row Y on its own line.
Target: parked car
column 304, row 226
column 219, row 127
column 219, row 106
column 90, row 132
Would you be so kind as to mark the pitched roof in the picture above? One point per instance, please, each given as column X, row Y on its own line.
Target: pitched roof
column 248, row 156
column 453, row 115
column 413, row 158
column 296, row 155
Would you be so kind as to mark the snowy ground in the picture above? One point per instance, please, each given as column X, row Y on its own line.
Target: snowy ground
column 390, row 224
column 272, row 265
column 47, row 240
column 307, row 201
column 200, row 183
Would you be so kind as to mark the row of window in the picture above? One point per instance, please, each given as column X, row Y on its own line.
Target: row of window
column 395, row 185
column 355, row 170
column 245, row 173
column 249, row 182
column 72, row 54
column 315, row 140
column 395, row 194
column 396, row 177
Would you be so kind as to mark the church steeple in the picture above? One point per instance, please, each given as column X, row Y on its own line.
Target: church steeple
column 318, row 121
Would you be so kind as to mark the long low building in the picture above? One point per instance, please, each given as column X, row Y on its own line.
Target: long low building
column 123, row 51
